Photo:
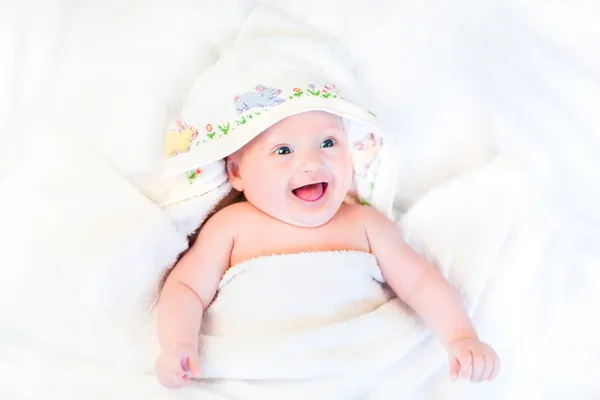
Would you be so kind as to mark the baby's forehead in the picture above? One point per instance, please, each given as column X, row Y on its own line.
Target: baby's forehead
column 305, row 123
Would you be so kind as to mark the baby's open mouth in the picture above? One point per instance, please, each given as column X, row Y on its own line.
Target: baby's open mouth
column 312, row 192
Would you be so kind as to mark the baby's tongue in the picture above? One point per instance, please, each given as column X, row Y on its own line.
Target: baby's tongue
column 310, row 192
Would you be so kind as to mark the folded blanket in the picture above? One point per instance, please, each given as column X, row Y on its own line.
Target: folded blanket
column 321, row 324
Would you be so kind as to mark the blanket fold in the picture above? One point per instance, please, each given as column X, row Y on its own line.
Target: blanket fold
column 306, row 316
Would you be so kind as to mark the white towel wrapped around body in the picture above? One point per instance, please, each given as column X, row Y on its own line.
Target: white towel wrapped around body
column 318, row 323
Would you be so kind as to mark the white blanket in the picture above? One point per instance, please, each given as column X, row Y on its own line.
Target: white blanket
column 310, row 325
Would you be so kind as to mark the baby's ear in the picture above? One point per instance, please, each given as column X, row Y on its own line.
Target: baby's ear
column 233, row 171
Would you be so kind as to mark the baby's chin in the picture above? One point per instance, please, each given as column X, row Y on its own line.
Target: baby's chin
column 303, row 215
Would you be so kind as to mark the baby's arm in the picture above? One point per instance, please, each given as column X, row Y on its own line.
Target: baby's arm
column 188, row 290
column 426, row 291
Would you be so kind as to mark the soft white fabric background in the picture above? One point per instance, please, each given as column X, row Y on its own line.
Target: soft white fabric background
column 86, row 89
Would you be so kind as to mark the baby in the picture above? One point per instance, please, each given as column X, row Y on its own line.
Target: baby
column 295, row 177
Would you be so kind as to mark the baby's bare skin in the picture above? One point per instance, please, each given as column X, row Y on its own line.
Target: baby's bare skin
column 295, row 176
column 262, row 235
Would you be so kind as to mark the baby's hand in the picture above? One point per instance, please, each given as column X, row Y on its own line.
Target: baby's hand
column 175, row 367
column 471, row 358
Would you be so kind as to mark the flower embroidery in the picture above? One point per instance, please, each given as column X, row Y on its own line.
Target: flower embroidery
column 241, row 121
column 262, row 97
column 330, row 90
column 224, row 128
column 297, row 93
column 209, row 131
column 180, row 139
column 193, row 174
column 312, row 89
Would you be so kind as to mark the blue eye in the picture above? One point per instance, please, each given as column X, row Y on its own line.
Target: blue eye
column 328, row 143
column 283, row 150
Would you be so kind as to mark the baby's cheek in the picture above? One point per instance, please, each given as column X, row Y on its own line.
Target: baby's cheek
column 269, row 185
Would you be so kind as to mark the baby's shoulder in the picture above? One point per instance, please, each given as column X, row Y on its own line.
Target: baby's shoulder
column 233, row 215
column 359, row 212
column 238, row 208
column 364, row 216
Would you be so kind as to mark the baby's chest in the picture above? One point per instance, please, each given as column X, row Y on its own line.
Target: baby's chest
column 271, row 239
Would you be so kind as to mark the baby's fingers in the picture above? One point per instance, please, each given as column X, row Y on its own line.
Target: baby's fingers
column 190, row 367
column 454, row 368
column 466, row 361
column 463, row 358
column 488, row 369
column 179, row 378
column 173, row 379
column 193, row 368
column 479, row 366
column 495, row 365
column 180, row 381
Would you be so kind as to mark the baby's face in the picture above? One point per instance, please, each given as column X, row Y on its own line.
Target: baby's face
column 297, row 171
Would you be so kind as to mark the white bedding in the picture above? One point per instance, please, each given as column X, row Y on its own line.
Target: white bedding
column 85, row 93
column 311, row 325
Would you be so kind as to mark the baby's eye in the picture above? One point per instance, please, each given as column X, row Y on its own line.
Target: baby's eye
column 283, row 150
column 329, row 142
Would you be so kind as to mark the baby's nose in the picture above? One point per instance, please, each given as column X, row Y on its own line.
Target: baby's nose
column 312, row 163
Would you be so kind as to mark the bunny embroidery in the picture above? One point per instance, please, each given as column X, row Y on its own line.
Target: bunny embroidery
column 366, row 153
column 179, row 140
column 262, row 97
